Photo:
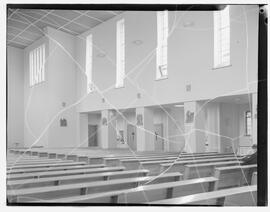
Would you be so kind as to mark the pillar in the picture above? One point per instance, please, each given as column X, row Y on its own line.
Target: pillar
column 212, row 127
column 145, row 129
column 194, row 127
column 108, row 132
column 83, row 129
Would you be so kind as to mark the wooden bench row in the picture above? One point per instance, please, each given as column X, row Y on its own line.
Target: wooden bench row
column 86, row 188
column 95, row 190
column 47, row 164
column 100, row 159
column 63, row 173
column 156, row 167
column 239, row 196
column 54, row 168
column 67, row 179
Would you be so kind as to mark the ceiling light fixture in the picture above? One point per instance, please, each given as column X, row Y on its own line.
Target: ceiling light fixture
column 178, row 105
column 188, row 24
column 101, row 55
column 137, row 42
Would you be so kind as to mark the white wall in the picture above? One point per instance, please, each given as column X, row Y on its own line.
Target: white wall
column 15, row 97
column 45, row 99
column 229, row 127
column 176, row 129
column 190, row 59
column 36, row 100
column 212, row 126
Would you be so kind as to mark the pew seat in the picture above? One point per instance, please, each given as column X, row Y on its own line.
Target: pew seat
column 231, row 176
column 180, row 165
column 148, row 192
column 62, row 163
column 206, row 169
column 30, row 183
column 239, row 196
column 63, row 173
column 52, row 192
column 17, row 171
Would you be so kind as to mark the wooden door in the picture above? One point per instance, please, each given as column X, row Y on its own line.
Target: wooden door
column 159, row 141
column 131, row 136
column 92, row 135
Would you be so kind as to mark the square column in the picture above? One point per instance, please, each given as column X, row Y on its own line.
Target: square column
column 108, row 132
column 194, row 127
column 83, row 130
column 145, row 129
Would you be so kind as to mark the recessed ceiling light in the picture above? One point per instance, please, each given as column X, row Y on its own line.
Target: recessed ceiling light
column 137, row 42
column 101, row 55
column 178, row 105
column 188, row 24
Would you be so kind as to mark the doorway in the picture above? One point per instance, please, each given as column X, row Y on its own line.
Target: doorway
column 131, row 136
column 92, row 135
column 159, row 141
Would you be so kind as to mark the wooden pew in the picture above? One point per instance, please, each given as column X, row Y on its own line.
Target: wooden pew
column 43, row 154
column 34, row 153
column 108, row 160
column 111, row 161
column 234, row 175
column 19, row 162
column 150, row 192
column 46, row 169
column 64, row 163
column 32, row 159
column 156, row 167
column 206, row 169
column 239, row 196
column 137, row 163
column 52, row 155
column 72, row 157
column 50, row 192
column 115, row 161
column 39, row 163
column 31, row 183
column 63, row 173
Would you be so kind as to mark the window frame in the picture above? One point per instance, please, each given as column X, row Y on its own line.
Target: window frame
column 162, row 45
column 89, row 63
column 120, row 53
column 222, row 45
column 37, row 65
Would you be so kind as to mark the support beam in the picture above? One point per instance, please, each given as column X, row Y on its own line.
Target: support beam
column 194, row 127
column 108, row 132
column 145, row 129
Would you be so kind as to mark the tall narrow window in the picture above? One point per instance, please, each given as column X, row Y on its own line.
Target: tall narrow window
column 37, row 65
column 222, row 38
column 162, row 44
column 248, row 123
column 120, row 48
column 89, row 62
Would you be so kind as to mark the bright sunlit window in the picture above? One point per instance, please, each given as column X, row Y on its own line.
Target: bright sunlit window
column 89, row 62
column 37, row 65
column 222, row 38
column 120, row 65
column 162, row 44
